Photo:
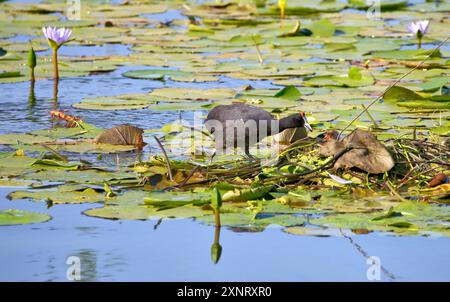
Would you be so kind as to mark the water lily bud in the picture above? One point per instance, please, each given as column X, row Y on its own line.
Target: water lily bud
column 216, row 252
column 216, row 199
column 282, row 6
column 31, row 58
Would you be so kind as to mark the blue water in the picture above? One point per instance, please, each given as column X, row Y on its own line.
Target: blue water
column 179, row 250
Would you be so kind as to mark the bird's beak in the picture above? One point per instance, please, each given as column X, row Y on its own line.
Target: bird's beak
column 307, row 125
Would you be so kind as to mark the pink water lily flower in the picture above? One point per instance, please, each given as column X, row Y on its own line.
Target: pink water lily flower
column 57, row 35
column 419, row 27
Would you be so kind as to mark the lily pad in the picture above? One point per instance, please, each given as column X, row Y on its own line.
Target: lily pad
column 16, row 217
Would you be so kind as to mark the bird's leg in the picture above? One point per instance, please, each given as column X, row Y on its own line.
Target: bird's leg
column 212, row 157
column 249, row 156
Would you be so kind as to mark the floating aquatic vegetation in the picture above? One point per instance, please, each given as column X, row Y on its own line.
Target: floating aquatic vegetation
column 16, row 217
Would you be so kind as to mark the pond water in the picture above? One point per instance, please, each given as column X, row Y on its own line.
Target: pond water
column 177, row 249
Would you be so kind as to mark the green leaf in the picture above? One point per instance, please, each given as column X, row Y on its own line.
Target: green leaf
column 391, row 213
column 56, row 197
column 50, row 163
column 399, row 93
column 289, row 93
column 408, row 54
column 55, row 46
column 176, row 199
column 402, row 224
column 10, row 74
column 434, row 84
column 354, row 73
column 246, row 194
column 109, row 192
column 16, row 217
column 322, row 28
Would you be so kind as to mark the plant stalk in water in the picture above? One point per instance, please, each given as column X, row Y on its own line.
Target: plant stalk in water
column 55, row 63
column 56, row 37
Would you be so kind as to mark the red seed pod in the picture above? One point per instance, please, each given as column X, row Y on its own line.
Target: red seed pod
column 438, row 179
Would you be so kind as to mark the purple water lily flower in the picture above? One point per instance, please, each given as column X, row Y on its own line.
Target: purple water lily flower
column 57, row 35
column 419, row 29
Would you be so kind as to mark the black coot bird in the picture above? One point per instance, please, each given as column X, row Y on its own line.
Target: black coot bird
column 242, row 125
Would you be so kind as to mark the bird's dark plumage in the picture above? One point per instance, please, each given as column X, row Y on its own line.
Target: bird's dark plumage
column 241, row 125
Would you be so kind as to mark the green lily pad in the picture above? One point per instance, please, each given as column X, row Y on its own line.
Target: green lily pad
column 77, row 176
column 176, row 199
column 16, row 217
column 12, row 139
column 121, row 212
column 322, row 28
column 57, row 197
column 289, row 93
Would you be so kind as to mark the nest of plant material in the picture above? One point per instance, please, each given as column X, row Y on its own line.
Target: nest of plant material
column 396, row 163
column 392, row 164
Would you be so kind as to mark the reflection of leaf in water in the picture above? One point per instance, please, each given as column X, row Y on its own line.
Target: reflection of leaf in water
column 247, row 219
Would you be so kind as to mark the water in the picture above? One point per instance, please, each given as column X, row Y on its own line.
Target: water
column 177, row 250
column 92, row 50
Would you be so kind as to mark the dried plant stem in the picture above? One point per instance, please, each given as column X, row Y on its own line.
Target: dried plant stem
column 169, row 169
column 258, row 52
column 370, row 116
column 189, row 176
column 395, row 193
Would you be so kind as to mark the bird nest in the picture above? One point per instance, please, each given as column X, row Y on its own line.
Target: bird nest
column 401, row 166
